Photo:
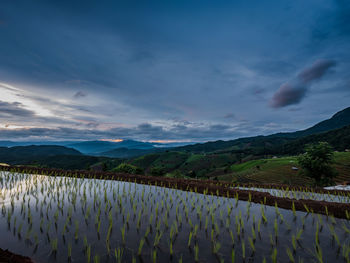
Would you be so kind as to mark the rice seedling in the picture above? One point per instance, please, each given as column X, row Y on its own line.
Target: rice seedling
column 96, row 258
column 69, row 251
column 274, row 255
column 142, row 242
column 290, row 255
column 54, row 243
column 189, row 239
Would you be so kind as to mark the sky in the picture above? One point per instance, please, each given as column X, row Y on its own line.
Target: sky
column 175, row 71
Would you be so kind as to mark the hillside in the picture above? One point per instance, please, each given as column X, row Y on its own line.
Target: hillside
column 280, row 170
column 38, row 150
column 55, row 157
column 339, row 139
column 338, row 120
column 77, row 162
column 25, row 154
column 259, row 143
column 184, row 163
column 264, row 144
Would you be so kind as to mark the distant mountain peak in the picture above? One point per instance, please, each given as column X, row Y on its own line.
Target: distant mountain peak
column 338, row 120
column 343, row 113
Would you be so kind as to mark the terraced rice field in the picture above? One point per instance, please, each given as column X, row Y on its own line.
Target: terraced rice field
column 63, row 219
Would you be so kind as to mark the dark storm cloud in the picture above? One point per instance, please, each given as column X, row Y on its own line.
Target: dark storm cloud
column 294, row 91
column 14, row 109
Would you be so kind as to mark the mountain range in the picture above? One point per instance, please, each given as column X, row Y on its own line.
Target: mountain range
column 335, row 130
column 123, row 148
column 338, row 120
column 99, row 147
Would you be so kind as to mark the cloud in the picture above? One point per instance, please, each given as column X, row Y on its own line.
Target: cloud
column 137, row 65
column 14, row 109
column 316, row 71
column 80, row 94
column 144, row 131
column 293, row 92
column 288, row 95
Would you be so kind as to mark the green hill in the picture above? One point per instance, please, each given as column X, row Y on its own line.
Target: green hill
column 339, row 139
column 280, row 170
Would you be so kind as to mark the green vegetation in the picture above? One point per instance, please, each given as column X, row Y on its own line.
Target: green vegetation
column 194, row 158
column 170, row 160
column 127, row 168
column 156, row 171
column 186, row 164
column 263, row 164
column 317, row 163
column 175, row 174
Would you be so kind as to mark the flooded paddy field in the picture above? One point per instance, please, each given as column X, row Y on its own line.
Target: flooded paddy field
column 63, row 219
column 303, row 195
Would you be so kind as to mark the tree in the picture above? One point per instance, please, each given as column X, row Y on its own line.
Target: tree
column 317, row 163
